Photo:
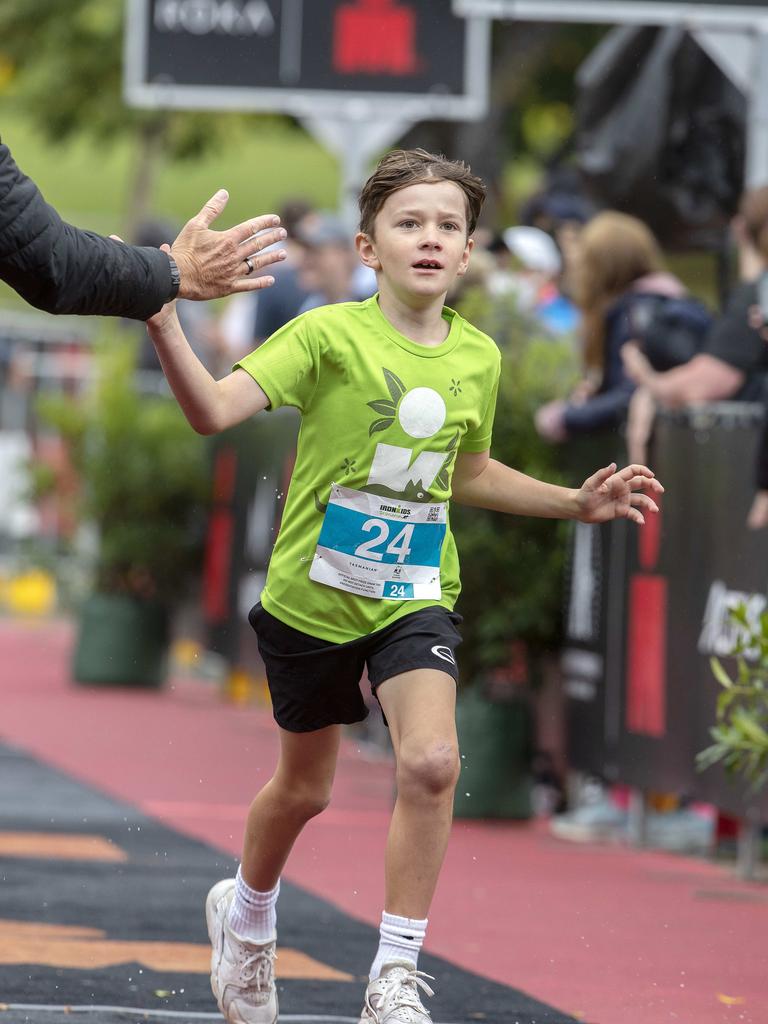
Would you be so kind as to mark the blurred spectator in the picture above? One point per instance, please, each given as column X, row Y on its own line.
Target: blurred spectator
column 561, row 203
column 329, row 272
column 500, row 279
column 619, row 283
column 734, row 358
column 560, row 209
column 250, row 319
column 536, row 281
column 287, row 295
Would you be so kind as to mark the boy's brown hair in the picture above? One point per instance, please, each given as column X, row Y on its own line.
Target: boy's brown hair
column 403, row 167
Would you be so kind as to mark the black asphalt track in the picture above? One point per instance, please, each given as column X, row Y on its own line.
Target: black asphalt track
column 93, row 930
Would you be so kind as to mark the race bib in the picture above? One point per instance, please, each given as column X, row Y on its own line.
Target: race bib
column 380, row 547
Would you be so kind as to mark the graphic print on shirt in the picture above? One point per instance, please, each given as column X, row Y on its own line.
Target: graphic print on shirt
column 385, row 539
column 421, row 413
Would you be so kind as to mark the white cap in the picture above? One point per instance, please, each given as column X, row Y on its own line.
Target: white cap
column 535, row 249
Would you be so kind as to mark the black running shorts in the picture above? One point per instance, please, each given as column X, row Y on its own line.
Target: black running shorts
column 314, row 683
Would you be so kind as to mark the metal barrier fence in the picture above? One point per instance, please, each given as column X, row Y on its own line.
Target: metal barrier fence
column 648, row 607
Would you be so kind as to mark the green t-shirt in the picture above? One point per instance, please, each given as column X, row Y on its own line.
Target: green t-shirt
column 379, row 413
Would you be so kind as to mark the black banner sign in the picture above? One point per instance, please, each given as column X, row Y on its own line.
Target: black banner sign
column 284, row 54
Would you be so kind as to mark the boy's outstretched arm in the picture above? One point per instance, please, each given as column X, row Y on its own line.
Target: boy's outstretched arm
column 210, row 405
column 608, row 494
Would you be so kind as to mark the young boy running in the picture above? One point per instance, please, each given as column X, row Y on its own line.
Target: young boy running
column 397, row 398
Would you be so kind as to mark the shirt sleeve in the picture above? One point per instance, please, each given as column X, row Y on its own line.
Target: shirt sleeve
column 61, row 269
column 731, row 339
column 479, row 439
column 287, row 366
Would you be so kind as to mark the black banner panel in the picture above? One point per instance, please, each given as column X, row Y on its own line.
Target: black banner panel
column 275, row 54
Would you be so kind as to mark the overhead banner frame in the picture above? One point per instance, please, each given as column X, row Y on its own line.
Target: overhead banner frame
column 744, row 14
column 147, row 83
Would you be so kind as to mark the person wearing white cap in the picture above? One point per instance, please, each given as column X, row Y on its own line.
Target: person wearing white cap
column 536, row 283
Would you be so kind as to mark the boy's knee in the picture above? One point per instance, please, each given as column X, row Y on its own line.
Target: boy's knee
column 305, row 801
column 431, row 771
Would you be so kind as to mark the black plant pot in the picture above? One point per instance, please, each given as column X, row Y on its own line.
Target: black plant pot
column 495, row 743
column 121, row 641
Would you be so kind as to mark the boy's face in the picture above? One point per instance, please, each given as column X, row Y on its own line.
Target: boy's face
column 419, row 243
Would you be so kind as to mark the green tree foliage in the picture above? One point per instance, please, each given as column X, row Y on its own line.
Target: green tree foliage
column 741, row 733
column 61, row 63
column 511, row 566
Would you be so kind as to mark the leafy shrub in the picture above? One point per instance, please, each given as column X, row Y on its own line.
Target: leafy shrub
column 741, row 732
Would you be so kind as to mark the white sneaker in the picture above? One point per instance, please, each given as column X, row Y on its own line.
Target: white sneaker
column 597, row 818
column 242, row 972
column 393, row 998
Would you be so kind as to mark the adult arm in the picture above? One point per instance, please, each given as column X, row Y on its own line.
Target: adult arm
column 705, row 378
column 483, row 482
column 63, row 269
column 602, row 411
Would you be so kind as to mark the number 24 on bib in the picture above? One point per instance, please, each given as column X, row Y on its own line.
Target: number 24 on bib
column 380, row 547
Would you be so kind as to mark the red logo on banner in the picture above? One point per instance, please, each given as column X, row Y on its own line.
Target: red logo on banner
column 375, row 37
column 647, row 637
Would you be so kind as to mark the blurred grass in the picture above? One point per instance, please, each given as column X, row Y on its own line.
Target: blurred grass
column 89, row 184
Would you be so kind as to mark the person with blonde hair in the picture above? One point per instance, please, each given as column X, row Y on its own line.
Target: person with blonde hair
column 619, row 282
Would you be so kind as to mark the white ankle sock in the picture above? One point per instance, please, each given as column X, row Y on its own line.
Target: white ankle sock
column 400, row 938
column 253, row 914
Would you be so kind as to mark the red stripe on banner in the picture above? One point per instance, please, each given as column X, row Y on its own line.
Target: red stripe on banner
column 218, row 544
column 647, row 656
column 218, row 555
column 224, row 475
column 649, row 538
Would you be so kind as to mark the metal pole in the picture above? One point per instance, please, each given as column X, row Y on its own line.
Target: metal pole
column 638, row 818
column 748, row 851
column 757, row 113
column 354, row 140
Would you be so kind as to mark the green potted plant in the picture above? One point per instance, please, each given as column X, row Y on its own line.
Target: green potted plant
column 511, row 572
column 741, row 732
column 144, row 483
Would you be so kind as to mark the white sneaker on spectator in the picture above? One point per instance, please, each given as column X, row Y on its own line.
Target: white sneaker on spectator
column 242, row 972
column 597, row 818
column 393, row 998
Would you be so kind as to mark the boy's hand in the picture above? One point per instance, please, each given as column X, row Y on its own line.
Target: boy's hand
column 611, row 494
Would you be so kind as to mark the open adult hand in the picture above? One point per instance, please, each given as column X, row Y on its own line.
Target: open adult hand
column 617, row 494
column 217, row 263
